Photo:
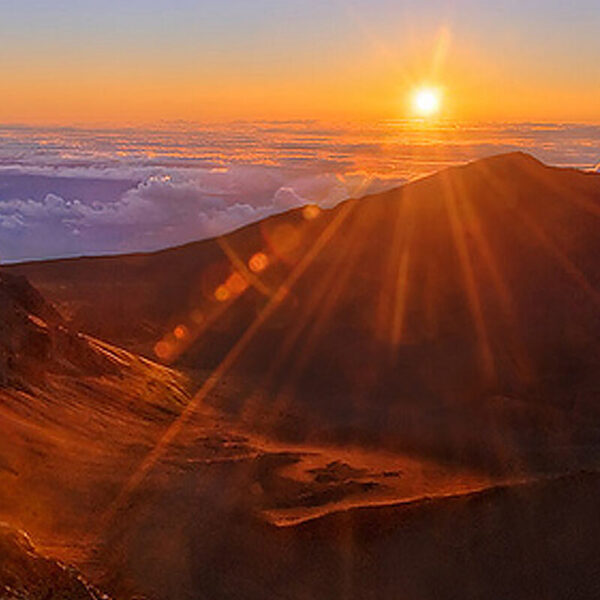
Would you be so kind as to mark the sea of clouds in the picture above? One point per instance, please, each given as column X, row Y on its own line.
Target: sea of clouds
column 69, row 191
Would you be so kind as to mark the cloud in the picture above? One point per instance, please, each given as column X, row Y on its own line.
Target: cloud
column 162, row 210
column 75, row 191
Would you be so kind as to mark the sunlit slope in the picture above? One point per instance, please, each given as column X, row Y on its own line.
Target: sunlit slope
column 86, row 470
column 457, row 316
column 69, row 406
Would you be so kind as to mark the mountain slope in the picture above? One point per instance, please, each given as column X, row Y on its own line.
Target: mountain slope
column 395, row 396
column 25, row 575
column 68, row 405
column 455, row 316
column 35, row 339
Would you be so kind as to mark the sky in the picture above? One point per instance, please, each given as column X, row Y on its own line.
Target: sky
column 92, row 62
column 142, row 124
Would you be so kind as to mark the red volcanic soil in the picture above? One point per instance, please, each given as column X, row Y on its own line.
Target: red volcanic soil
column 394, row 398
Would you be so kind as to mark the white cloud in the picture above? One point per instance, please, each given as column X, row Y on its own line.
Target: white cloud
column 163, row 210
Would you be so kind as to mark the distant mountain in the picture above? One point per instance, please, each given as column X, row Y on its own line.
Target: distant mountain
column 457, row 315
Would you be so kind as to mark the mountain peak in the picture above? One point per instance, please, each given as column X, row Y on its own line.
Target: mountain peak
column 509, row 163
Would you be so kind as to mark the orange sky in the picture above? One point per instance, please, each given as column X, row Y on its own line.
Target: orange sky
column 345, row 65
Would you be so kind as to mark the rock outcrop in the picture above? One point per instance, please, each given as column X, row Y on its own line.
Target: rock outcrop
column 35, row 339
column 26, row 575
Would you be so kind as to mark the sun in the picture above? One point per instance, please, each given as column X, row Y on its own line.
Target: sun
column 426, row 101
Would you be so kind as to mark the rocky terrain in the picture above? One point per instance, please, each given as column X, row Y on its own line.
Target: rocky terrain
column 36, row 340
column 25, row 575
column 55, row 384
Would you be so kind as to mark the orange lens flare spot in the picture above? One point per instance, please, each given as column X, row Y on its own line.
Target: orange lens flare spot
column 181, row 332
column 163, row 350
column 236, row 283
column 284, row 240
column 310, row 212
column 259, row 262
column 222, row 294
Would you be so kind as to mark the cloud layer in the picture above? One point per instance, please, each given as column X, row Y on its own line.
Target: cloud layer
column 70, row 192
column 161, row 210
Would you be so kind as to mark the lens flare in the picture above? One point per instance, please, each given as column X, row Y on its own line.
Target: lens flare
column 236, row 283
column 258, row 262
column 163, row 350
column 181, row 332
column 222, row 294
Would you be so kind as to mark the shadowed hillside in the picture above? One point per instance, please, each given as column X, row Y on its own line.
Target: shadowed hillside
column 35, row 339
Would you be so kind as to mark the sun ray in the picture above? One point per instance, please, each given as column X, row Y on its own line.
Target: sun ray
column 333, row 293
column 503, row 293
column 326, row 308
column 314, row 303
column 393, row 292
column 458, row 234
column 241, row 267
column 173, row 430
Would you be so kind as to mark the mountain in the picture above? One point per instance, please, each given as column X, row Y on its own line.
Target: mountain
column 68, row 403
column 456, row 316
column 35, row 339
column 398, row 396
column 25, row 575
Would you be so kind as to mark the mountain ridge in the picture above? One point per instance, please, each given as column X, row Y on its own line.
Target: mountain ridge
column 506, row 158
column 426, row 343
column 421, row 308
